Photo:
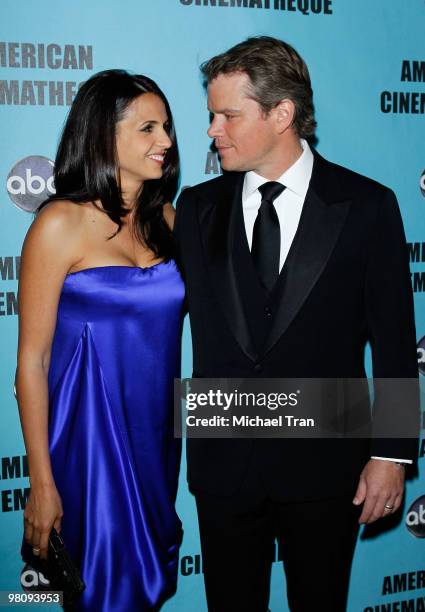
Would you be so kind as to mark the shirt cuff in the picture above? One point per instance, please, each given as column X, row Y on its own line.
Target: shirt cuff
column 391, row 459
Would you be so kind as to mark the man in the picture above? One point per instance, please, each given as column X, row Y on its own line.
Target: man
column 291, row 264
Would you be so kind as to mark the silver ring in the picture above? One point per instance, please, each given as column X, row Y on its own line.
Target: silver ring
column 36, row 551
column 388, row 507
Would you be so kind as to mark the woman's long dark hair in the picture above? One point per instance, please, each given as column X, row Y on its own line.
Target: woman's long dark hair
column 86, row 166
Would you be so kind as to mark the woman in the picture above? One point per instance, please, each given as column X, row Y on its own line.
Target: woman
column 100, row 302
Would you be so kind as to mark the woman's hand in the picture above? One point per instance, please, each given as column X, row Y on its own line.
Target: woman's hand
column 42, row 512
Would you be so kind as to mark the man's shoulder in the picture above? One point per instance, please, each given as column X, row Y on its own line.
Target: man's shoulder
column 212, row 187
column 349, row 182
column 205, row 196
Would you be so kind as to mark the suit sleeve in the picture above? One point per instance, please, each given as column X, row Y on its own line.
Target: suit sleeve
column 177, row 221
column 392, row 335
column 183, row 201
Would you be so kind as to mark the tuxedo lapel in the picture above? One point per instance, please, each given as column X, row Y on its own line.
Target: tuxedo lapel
column 319, row 228
column 324, row 213
column 217, row 220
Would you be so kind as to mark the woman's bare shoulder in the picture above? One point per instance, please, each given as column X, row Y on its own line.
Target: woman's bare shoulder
column 59, row 215
column 65, row 219
column 57, row 227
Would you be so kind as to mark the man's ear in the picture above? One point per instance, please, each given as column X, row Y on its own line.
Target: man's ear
column 284, row 114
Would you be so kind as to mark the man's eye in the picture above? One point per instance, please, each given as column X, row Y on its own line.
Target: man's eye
column 228, row 117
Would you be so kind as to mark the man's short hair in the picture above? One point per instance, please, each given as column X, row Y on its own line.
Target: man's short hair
column 276, row 71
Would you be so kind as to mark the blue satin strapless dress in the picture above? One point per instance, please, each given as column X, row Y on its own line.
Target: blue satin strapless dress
column 115, row 353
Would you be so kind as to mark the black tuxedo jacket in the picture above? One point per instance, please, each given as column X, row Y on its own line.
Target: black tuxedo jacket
column 345, row 281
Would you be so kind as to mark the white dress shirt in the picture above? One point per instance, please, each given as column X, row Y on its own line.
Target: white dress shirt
column 288, row 206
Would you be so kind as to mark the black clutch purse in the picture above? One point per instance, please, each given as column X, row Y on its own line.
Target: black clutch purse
column 59, row 569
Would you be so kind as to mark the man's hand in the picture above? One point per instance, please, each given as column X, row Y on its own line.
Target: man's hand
column 381, row 487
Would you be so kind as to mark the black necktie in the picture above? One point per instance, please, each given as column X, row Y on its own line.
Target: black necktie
column 265, row 249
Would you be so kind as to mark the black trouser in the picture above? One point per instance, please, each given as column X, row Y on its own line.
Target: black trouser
column 316, row 539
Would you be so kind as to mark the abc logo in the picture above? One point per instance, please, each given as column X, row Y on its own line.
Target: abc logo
column 415, row 518
column 421, row 355
column 30, row 182
column 422, row 183
column 32, row 580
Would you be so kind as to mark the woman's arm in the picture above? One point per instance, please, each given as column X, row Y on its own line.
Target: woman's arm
column 48, row 253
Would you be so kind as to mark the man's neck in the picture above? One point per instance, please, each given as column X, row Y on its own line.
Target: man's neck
column 284, row 158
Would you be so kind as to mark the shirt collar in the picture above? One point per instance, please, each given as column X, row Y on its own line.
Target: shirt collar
column 296, row 178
